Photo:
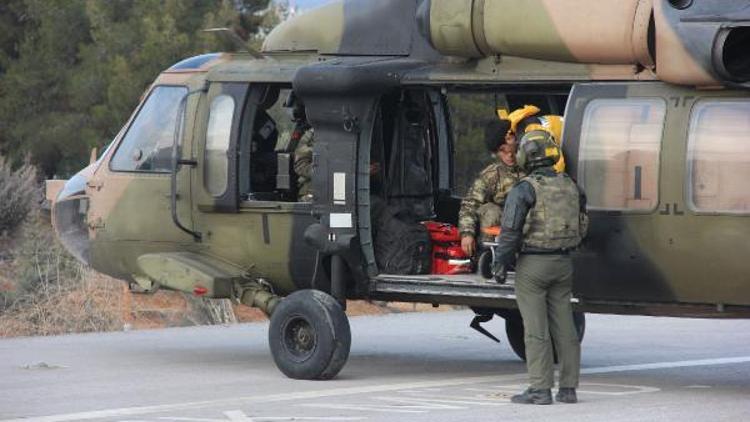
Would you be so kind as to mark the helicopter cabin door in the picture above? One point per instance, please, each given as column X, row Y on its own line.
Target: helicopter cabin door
column 246, row 208
column 613, row 142
column 217, row 138
column 627, row 145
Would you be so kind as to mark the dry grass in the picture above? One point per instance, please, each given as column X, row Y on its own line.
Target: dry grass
column 89, row 304
column 19, row 194
column 44, row 291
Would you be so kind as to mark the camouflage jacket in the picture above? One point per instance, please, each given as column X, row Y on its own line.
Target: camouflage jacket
column 303, row 164
column 492, row 185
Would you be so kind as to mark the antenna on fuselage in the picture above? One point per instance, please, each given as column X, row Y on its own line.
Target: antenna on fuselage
column 227, row 34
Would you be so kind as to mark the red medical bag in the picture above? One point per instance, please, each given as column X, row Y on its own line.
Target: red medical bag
column 447, row 255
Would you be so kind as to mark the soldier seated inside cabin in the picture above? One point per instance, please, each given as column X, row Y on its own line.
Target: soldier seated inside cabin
column 300, row 140
column 303, row 165
column 483, row 204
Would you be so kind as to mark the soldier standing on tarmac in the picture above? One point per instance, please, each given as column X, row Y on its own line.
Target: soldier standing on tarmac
column 543, row 220
column 486, row 197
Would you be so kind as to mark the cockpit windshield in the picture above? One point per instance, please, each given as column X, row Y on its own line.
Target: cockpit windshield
column 147, row 145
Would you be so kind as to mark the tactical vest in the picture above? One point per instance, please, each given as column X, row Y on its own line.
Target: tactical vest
column 554, row 221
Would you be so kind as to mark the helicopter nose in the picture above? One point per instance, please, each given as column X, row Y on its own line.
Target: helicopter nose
column 69, row 217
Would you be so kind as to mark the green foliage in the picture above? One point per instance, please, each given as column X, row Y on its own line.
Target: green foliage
column 12, row 16
column 19, row 192
column 72, row 71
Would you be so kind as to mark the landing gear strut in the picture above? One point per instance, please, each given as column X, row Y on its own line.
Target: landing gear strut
column 309, row 336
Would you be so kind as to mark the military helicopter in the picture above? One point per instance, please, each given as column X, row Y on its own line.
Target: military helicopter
column 197, row 193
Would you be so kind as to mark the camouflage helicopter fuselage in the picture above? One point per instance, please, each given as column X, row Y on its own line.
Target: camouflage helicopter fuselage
column 664, row 256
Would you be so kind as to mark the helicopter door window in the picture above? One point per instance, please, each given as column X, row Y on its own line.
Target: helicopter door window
column 619, row 158
column 719, row 157
column 147, row 145
column 470, row 112
column 217, row 144
column 270, row 147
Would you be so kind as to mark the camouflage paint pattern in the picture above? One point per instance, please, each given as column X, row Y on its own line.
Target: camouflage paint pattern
column 659, row 257
column 670, row 253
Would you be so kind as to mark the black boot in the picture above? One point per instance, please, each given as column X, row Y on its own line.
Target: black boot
column 566, row 395
column 533, row 396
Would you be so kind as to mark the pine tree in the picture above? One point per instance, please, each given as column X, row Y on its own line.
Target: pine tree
column 72, row 71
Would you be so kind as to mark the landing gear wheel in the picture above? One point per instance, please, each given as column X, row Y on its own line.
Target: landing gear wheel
column 514, row 331
column 309, row 336
column 484, row 264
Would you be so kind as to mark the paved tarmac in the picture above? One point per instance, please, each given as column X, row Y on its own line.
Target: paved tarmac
column 405, row 367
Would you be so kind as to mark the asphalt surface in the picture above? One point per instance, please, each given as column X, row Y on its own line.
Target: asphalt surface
column 410, row 367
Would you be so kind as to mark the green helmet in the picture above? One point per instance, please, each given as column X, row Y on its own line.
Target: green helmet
column 537, row 149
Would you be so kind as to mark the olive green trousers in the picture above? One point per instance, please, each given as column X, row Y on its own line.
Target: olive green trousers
column 543, row 292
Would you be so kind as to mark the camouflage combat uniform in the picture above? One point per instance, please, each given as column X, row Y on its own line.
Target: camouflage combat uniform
column 303, row 166
column 544, row 218
column 484, row 202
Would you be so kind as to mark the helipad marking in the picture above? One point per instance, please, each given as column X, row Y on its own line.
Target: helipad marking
column 240, row 416
column 584, row 388
column 440, row 402
column 369, row 408
column 626, row 389
column 413, row 404
column 665, row 365
column 131, row 411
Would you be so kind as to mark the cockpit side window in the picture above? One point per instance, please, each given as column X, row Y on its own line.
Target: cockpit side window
column 147, row 145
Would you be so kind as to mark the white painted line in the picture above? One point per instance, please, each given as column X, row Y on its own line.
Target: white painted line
column 480, row 390
column 666, row 365
column 309, row 418
column 334, row 392
column 364, row 408
column 310, row 394
column 585, row 388
column 478, row 399
column 239, row 416
column 231, row 416
column 442, row 401
column 416, row 404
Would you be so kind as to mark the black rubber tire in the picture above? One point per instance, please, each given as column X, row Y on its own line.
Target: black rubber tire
column 309, row 336
column 484, row 264
column 514, row 331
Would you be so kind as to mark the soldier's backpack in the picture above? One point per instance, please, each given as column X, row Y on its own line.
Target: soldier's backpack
column 402, row 244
